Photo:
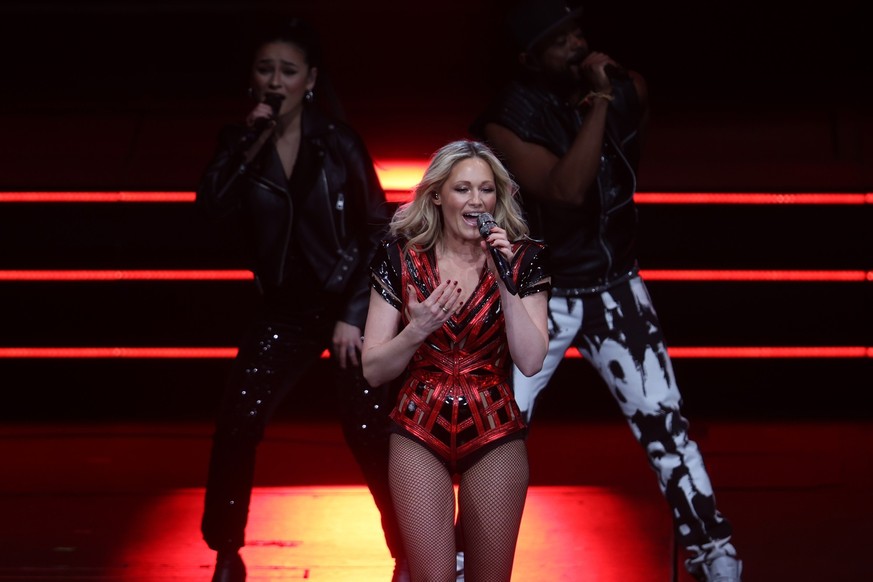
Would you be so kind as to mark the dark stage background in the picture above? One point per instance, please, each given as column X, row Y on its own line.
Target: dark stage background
column 129, row 95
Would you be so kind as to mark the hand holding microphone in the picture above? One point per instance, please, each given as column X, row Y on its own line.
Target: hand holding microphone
column 274, row 100
column 600, row 70
column 260, row 124
column 486, row 222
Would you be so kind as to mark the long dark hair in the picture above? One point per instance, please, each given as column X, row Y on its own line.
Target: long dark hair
column 303, row 35
column 295, row 31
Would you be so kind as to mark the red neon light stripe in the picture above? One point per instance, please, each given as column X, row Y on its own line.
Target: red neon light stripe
column 817, row 352
column 127, row 275
column 755, row 275
column 750, row 198
column 773, row 352
column 244, row 275
column 400, row 195
column 399, row 177
column 97, row 196
column 824, row 198
column 118, row 352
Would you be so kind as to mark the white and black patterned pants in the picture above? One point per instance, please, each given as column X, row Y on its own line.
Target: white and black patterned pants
column 618, row 331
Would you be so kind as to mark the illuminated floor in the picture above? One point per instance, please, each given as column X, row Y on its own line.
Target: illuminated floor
column 122, row 503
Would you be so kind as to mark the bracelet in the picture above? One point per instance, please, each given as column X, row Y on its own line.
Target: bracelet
column 592, row 95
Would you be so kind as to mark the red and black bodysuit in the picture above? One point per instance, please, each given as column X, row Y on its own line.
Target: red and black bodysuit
column 455, row 397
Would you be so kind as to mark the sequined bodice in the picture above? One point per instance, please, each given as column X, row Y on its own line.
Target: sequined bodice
column 456, row 397
column 471, row 347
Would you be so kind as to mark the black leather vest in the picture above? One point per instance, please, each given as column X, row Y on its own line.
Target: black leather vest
column 591, row 244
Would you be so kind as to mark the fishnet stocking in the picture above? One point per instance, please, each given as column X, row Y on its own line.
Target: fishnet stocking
column 491, row 498
column 491, row 495
column 424, row 499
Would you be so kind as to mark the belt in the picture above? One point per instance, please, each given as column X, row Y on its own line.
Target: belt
column 580, row 291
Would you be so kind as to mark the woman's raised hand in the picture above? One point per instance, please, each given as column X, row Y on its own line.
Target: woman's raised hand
column 430, row 315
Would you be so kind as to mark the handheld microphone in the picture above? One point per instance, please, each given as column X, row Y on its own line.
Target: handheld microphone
column 274, row 100
column 486, row 222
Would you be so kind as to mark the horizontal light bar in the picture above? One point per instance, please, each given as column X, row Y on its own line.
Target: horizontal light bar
column 244, row 275
column 128, row 275
column 754, row 275
column 399, row 176
column 124, row 197
column 774, row 352
column 118, row 352
column 97, row 196
column 834, row 198
column 398, row 194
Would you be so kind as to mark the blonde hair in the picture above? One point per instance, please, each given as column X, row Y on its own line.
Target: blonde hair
column 420, row 220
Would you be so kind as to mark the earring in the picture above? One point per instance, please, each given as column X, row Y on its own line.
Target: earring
column 436, row 195
column 251, row 92
column 309, row 96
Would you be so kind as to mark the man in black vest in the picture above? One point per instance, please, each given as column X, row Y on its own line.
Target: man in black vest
column 569, row 129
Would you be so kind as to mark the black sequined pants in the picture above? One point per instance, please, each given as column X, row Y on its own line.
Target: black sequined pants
column 271, row 361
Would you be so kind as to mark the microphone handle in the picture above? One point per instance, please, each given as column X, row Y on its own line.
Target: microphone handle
column 503, row 270
column 260, row 125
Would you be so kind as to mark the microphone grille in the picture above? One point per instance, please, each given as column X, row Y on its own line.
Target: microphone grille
column 274, row 100
column 485, row 222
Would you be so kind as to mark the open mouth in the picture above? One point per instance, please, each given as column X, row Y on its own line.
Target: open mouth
column 472, row 218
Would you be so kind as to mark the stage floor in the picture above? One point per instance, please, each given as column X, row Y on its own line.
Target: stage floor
column 121, row 502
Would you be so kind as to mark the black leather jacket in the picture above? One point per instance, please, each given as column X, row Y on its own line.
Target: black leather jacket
column 591, row 244
column 345, row 210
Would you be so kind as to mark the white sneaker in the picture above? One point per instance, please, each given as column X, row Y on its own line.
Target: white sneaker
column 722, row 569
column 459, row 567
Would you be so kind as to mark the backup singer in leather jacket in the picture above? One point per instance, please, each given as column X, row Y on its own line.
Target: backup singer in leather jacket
column 340, row 197
column 304, row 188
column 569, row 130
column 444, row 323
